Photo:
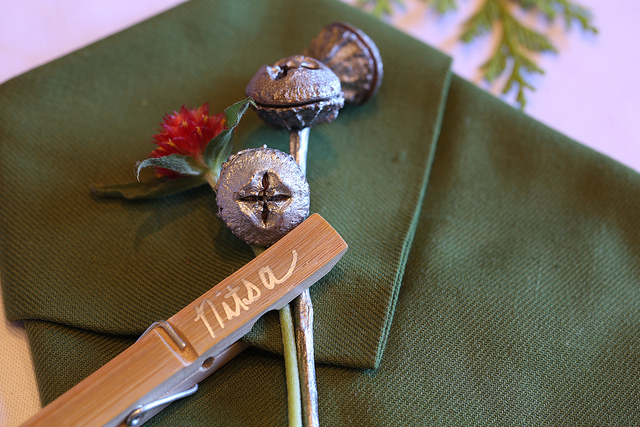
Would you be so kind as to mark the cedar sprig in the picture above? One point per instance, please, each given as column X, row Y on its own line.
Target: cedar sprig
column 517, row 43
column 380, row 7
column 385, row 7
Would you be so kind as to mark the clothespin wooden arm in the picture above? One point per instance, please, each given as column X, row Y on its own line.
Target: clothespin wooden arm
column 176, row 355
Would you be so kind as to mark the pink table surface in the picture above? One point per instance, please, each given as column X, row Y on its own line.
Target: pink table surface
column 590, row 93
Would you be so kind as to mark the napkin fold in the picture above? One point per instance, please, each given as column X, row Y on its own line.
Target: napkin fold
column 493, row 264
column 71, row 260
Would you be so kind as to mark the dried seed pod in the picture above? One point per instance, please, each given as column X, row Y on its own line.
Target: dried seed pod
column 296, row 92
column 262, row 194
column 353, row 56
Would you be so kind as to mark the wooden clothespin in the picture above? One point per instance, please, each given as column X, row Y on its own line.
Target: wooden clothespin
column 172, row 357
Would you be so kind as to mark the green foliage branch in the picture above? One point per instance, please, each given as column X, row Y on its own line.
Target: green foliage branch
column 516, row 42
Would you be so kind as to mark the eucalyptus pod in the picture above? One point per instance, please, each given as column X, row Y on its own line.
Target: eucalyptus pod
column 262, row 194
column 352, row 56
column 296, row 92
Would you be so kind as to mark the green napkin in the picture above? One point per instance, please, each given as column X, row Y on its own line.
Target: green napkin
column 514, row 270
column 114, row 267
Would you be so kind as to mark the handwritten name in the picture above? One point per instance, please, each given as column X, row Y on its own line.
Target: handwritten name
column 252, row 293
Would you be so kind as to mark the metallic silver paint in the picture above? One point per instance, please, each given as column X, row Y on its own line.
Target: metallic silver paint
column 353, row 56
column 262, row 194
column 296, row 92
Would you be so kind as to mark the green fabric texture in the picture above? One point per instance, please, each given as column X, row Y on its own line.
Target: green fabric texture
column 115, row 267
column 512, row 251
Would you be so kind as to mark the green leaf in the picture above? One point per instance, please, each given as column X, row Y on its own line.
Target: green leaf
column 148, row 190
column 495, row 66
column 545, row 7
column 517, row 79
column 528, row 38
column 575, row 12
column 443, row 6
column 481, row 22
column 219, row 148
column 185, row 165
column 380, row 7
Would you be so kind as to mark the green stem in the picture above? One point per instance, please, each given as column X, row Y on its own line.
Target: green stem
column 291, row 367
column 290, row 360
column 212, row 179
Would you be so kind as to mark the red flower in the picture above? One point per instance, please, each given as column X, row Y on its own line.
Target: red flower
column 187, row 132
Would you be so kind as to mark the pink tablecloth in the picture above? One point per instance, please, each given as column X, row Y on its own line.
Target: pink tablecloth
column 590, row 93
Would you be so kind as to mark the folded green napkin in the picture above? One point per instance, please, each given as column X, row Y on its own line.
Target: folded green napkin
column 493, row 269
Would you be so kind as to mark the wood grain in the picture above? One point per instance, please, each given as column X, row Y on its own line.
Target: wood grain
column 155, row 366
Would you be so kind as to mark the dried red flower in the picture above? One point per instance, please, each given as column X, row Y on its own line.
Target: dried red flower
column 186, row 132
